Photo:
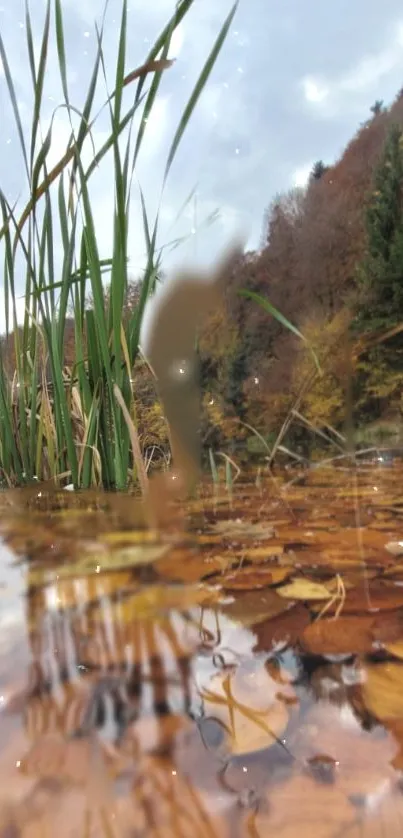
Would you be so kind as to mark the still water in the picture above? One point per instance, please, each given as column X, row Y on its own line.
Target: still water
column 238, row 674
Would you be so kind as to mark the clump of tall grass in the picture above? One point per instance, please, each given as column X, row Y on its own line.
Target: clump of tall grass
column 70, row 423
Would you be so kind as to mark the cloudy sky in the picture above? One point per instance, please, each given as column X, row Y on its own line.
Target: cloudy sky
column 292, row 84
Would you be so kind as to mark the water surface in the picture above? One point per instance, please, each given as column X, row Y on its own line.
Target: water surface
column 238, row 674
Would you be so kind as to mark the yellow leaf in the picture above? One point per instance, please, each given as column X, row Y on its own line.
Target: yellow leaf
column 304, row 589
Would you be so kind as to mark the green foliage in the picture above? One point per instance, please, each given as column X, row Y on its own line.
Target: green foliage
column 377, row 107
column 380, row 283
column 318, row 170
column 380, row 276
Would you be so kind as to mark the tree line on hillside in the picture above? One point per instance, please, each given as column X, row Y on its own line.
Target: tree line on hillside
column 331, row 260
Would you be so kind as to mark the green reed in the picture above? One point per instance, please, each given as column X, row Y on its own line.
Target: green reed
column 57, row 422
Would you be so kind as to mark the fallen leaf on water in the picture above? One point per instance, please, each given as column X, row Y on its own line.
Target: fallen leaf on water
column 251, row 705
column 383, row 690
column 253, row 578
column 302, row 588
column 344, row 635
column 376, row 596
column 255, row 607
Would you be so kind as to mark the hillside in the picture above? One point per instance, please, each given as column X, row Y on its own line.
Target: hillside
column 314, row 250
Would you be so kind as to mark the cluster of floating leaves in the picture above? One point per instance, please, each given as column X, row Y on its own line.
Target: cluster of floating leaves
column 240, row 675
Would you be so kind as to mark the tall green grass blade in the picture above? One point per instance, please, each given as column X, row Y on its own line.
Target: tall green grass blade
column 39, row 80
column 61, row 50
column 14, row 103
column 267, row 306
column 199, row 87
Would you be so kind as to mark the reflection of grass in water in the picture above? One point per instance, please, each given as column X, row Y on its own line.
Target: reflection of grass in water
column 77, row 430
column 153, row 642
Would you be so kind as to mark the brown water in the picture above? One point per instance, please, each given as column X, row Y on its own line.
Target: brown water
column 193, row 684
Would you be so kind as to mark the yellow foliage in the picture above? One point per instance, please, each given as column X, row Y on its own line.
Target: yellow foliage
column 324, row 402
column 219, row 337
column 214, row 416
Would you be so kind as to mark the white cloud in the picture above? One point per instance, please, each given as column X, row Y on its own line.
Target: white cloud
column 372, row 68
column 315, row 90
column 329, row 96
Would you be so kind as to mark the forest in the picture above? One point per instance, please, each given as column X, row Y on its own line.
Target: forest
column 331, row 261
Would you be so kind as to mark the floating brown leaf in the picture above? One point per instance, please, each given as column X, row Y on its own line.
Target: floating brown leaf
column 344, row 635
column 376, row 596
column 254, row 578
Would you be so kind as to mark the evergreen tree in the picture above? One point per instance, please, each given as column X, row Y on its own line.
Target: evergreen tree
column 318, row 170
column 380, row 284
column 377, row 107
column 381, row 274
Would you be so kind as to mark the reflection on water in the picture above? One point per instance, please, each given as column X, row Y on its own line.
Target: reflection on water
column 175, row 687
